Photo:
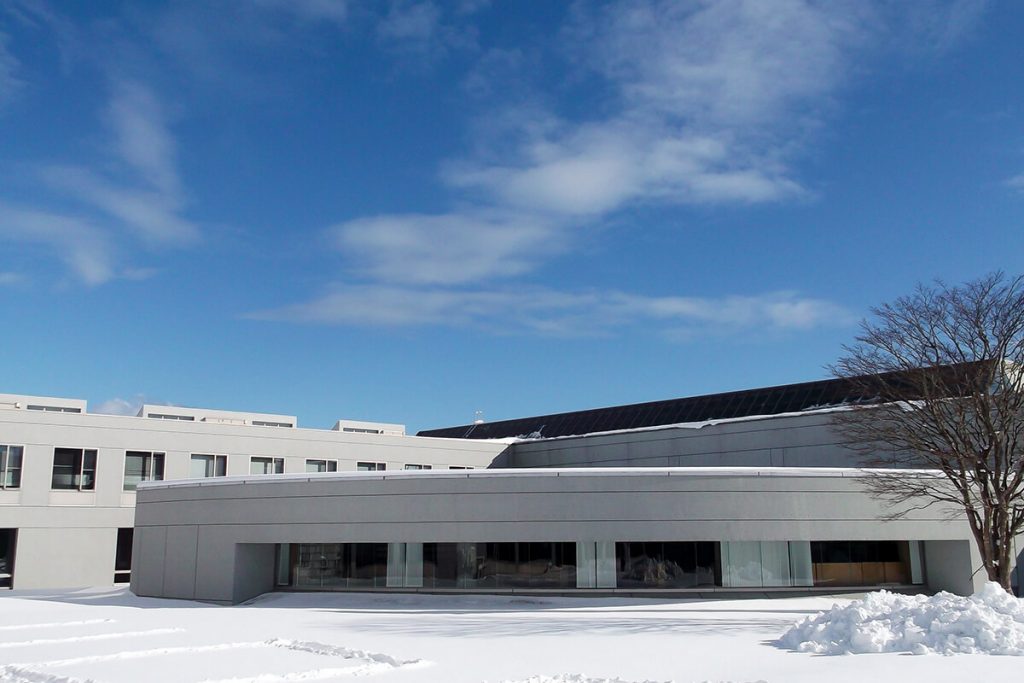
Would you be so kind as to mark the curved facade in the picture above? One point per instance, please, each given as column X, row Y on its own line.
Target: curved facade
column 582, row 529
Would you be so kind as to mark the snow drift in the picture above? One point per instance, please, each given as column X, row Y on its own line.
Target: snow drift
column 989, row 622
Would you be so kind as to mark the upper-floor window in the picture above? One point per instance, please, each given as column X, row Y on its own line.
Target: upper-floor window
column 54, row 409
column 362, row 430
column 321, row 465
column 74, row 469
column 10, row 466
column 371, row 466
column 164, row 416
column 459, row 467
column 266, row 465
column 417, row 467
column 142, row 466
column 208, row 466
column 265, row 423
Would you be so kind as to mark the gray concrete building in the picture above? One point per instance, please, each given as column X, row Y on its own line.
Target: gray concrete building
column 68, row 478
column 687, row 531
column 750, row 492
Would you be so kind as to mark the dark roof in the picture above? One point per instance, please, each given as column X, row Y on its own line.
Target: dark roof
column 788, row 398
column 767, row 401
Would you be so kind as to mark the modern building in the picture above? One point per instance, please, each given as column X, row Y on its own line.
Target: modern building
column 68, row 478
column 731, row 493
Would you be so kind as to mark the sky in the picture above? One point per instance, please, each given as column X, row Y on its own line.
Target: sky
column 413, row 211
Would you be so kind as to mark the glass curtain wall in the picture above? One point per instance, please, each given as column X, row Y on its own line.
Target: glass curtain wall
column 765, row 564
column 863, row 563
column 327, row 566
column 653, row 564
column 640, row 565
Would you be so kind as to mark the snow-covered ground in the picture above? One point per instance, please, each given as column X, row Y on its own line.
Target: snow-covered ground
column 110, row 636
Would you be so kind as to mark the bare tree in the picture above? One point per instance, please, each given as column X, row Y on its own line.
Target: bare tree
column 939, row 375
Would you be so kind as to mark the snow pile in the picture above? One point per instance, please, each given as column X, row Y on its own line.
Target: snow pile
column 989, row 622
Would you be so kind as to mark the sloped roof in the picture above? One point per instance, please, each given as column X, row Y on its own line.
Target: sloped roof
column 787, row 398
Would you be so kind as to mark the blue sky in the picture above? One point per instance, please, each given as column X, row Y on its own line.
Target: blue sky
column 411, row 211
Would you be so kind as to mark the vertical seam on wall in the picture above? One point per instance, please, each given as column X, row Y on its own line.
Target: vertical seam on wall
column 163, row 573
column 195, row 568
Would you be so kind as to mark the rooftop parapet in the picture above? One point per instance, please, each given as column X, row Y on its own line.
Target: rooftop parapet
column 226, row 417
column 48, row 404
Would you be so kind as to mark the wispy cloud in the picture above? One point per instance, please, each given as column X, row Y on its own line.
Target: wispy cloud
column 703, row 104
column 8, row 279
column 120, row 406
column 149, row 200
column 9, row 81
column 334, row 11
column 422, row 28
column 1015, row 183
column 139, row 194
column 558, row 313
column 85, row 248
column 452, row 248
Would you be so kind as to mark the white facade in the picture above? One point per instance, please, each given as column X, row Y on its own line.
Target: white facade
column 67, row 476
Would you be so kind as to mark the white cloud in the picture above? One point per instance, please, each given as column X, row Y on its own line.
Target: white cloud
column 702, row 103
column 149, row 213
column 86, row 249
column 8, row 279
column 422, row 29
column 9, row 82
column 120, row 406
column 551, row 312
column 450, row 248
column 139, row 195
column 334, row 11
column 141, row 137
column 417, row 21
column 1015, row 183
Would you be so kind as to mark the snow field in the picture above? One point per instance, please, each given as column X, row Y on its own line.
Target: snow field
column 989, row 622
column 110, row 636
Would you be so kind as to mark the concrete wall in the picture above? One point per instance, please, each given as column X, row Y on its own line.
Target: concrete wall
column 68, row 538
column 786, row 441
column 954, row 566
column 493, row 506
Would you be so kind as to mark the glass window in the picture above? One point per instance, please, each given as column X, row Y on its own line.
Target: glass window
column 203, row 466
column 860, row 563
column 321, row 465
column 418, row 467
column 656, row 564
column 54, row 409
column 459, row 467
column 7, row 543
column 371, row 466
column 10, row 466
column 74, row 469
column 142, row 466
column 123, row 555
column 266, row 465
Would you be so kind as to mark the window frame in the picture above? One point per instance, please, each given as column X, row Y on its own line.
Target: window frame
column 215, row 459
column 79, row 469
column 329, row 465
column 6, row 469
column 367, row 466
column 276, row 463
column 149, row 468
column 415, row 467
